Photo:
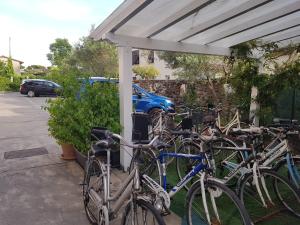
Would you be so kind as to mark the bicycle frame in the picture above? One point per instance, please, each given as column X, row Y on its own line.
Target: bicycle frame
column 277, row 150
column 196, row 170
column 233, row 121
column 199, row 167
column 130, row 185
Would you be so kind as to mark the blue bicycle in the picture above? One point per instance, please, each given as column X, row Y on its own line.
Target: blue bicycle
column 208, row 200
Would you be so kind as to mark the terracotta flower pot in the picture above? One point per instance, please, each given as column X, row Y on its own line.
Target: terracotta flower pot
column 68, row 152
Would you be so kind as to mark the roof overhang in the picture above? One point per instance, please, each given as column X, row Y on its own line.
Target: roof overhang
column 201, row 26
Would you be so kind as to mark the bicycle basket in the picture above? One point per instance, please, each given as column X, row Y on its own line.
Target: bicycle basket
column 186, row 124
column 209, row 117
column 141, row 124
column 197, row 118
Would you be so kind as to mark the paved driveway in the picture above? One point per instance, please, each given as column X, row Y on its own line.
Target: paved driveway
column 40, row 189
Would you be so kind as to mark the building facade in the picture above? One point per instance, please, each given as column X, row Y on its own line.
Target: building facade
column 16, row 63
column 145, row 57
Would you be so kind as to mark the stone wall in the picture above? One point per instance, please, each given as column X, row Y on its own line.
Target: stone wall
column 175, row 89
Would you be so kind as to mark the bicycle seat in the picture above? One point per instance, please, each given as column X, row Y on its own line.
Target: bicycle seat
column 99, row 149
column 162, row 145
column 98, row 133
column 143, row 142
column 242, row 137
column 181, row 132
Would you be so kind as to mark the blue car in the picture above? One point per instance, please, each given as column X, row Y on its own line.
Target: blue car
column 143, row 100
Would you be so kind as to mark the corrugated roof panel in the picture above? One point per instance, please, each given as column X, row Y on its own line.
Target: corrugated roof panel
column 156, row 11
column 260, row 15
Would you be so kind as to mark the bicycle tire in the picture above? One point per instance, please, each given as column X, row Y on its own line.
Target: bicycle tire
column 286, row 199
column 169, row 139
column 144, row 205
column 185, row 165
column 94, row 180
column 281, row 168
column 148, row 164
column 219, row 154
column 231, row 215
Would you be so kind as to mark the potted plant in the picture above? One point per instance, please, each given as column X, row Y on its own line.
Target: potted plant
column 59, row 123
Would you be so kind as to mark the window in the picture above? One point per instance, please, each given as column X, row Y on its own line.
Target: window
column 135, row 57
column 50, row 84
column 40, row 83
column 137, row 92
column 134, row 91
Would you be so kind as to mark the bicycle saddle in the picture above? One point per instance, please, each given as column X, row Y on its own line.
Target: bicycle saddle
column 181, row 132
column 161, row 145
column 99, row 149
column 98, row 133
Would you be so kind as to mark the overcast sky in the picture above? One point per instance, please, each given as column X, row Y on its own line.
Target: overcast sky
column 34, row 24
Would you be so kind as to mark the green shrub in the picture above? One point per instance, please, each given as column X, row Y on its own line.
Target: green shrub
column 71, row 117
column 146, row 72
column 60, row 120
column 4, row 84
column 98, row 107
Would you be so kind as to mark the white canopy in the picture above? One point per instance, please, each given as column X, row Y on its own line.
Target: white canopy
column 201, row 26
column 192, row 26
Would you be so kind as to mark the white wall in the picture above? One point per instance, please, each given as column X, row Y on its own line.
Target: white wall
column 16, row 65
column 161, row 65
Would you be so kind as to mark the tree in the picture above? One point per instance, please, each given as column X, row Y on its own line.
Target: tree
column 59, row 51
column 2, row 69
column 36, row 70
column 146, row 72
column 9, row 67
column 195, row 67
column 96, row 58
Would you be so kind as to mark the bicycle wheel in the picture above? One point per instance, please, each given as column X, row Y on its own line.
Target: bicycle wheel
column 224, row 157
column 280, row 196
column 93, row 194
column 148, row 164
column 185, row 165
column 141, row 212
column 228, row 209
column 282, row 168
column 169, row 139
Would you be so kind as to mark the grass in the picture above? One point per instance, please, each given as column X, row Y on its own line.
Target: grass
column 178, row 204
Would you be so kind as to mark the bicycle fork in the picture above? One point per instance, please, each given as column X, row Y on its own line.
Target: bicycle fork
column 202, row 180
column 256, row 176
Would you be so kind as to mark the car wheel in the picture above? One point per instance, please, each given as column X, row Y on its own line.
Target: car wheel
column 31, row 93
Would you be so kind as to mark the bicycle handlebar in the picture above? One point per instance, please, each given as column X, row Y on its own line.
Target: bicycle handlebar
column 109, row 139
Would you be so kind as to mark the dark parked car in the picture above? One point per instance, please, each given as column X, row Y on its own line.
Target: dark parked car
column 37, row 87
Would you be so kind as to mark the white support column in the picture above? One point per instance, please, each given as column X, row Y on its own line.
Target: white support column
column 125, row 88
column 254, row 106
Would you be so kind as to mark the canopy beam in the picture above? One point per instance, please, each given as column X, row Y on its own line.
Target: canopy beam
column 160, row 45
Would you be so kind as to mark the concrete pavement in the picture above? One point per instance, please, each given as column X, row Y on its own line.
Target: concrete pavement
column 41, row 189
